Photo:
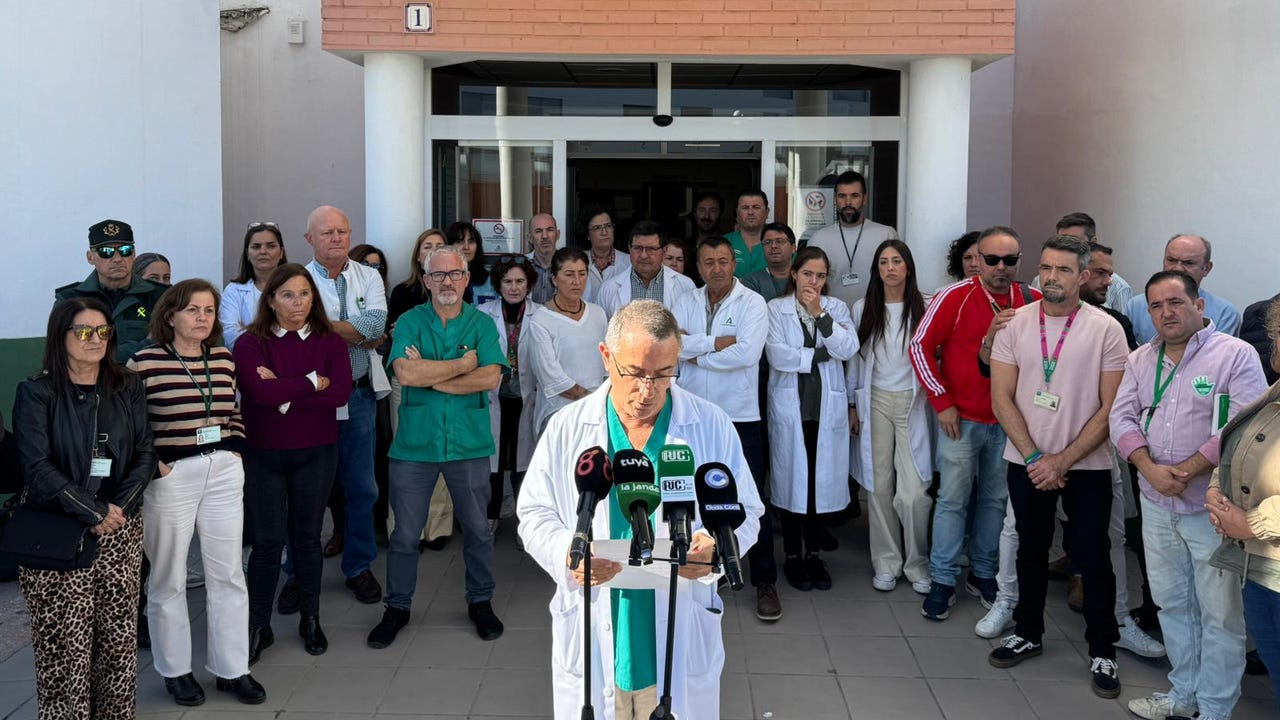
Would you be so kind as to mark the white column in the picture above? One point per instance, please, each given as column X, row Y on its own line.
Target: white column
column 394, row 133
column 937, row 151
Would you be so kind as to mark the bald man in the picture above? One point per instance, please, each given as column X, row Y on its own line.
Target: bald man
column 1193, row 255
column 544, row 234
column 356, row 301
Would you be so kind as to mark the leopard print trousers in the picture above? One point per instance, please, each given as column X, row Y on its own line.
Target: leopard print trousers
column 84, row 626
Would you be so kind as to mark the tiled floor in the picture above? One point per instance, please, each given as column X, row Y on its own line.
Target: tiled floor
column 850, row 653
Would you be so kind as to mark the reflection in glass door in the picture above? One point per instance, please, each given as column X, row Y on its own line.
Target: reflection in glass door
column 805, row 175
column 498, row 180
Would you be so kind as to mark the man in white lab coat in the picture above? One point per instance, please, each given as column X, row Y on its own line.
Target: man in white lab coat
column 638, row 407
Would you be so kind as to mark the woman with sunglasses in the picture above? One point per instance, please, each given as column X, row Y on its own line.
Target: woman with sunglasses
column 810, row 337
column 293, row 372
column 467, row 238
column 564, row 360
column 195, row 418
column 263, row 252
column 892, row 453
column 85, row 446
column 512, row 427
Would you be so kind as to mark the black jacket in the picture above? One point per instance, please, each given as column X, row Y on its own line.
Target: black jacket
column 1253, row 330
column 54, row 431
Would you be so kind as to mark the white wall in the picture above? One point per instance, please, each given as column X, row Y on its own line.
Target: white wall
column 1155, row 118
column 111, row 110
column 991, row 145
column 293, row 131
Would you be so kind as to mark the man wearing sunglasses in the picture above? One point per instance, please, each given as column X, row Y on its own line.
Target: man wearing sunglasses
column 111, row 253
column 958, row 329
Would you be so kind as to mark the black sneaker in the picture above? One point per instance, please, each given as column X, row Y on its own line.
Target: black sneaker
column 983, row 588
column 797, row 574
column 818, row 574
column 1106, row 677
column 290, row 598
column 1013, row 650
column 488, row 626
column 384, row 633
column 937, row 604
column 366, row 588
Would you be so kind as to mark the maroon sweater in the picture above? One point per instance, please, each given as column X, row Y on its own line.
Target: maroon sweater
column 311, row 419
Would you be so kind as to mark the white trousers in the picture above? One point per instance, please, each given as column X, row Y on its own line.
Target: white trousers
column 203, row 494
column 1007, row 577
column 898, row 509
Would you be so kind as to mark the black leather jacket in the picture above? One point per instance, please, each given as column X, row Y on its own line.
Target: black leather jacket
column 54, row 434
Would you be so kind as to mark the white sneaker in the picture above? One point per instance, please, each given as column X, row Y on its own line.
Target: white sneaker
column 1133, row 639
column 884, row 582
column 922, row 586
column 1159, row 706
column 998, row 619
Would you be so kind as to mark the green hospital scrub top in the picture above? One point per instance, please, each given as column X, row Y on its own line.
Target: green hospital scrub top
column 635, row 643
column 748, row 261
column 438, row 427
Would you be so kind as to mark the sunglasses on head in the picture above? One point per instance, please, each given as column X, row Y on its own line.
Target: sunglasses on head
column 1008, row 260
column 269, row 224
column 106, row 252
column 84, row 332
column 512, row 259
column 374, row 265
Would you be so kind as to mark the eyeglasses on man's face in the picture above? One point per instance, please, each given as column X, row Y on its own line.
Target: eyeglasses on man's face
column 106, row 252
column 439, row 275
column 84, row 332
column 652, row 381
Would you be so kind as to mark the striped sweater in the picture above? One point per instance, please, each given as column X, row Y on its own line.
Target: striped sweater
column 175, row 404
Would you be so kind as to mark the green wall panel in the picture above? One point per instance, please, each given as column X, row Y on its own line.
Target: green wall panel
column 18, row 359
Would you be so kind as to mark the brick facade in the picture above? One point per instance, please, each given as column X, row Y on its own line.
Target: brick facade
column 766, row 28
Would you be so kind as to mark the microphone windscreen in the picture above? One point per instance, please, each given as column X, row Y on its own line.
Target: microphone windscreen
column 593, row 473
column 635, row 480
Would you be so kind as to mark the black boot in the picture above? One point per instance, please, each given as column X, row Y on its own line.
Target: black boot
column 245, row 688
column 260, row 638
column 185, row 690
column 393, row 619
column 313, row 639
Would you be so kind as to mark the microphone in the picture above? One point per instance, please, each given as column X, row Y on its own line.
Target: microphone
column 675, row 480
column 594, row 476
column 721, row 515
column 638, row 497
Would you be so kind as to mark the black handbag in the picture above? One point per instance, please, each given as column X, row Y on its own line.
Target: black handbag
column 48, row 540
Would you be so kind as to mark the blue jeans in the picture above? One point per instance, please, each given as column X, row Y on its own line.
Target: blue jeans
column 410, row 485
column 1262, row 613
column 357, row 440
column 979, row 452
column 1201, row 612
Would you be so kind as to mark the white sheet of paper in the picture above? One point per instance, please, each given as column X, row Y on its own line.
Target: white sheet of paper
column 654, row 576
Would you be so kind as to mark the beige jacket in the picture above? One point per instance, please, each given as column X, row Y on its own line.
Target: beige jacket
column 1245, row 440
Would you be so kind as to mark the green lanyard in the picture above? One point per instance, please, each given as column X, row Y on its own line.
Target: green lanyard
column 1160, row 387
column 208, row 379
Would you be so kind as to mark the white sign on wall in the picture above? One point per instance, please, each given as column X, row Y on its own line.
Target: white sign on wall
column 417, row 17
column 815, row 209
column 498, row 236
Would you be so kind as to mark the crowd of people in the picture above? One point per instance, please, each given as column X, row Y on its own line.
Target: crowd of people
column 179, row 428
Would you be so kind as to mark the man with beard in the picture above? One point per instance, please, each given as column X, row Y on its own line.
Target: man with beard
column 1055, row 368
column 748, row 248
column 851, row 241
column 447, row 357
column 708, row 206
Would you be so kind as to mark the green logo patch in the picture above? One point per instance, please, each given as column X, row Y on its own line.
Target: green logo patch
column 1203, row 385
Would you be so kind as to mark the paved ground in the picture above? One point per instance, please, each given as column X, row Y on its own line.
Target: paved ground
column 849, row 653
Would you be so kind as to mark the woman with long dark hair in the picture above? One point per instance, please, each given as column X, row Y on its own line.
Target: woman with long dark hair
column 263, row 252
column 892, row 456
column 195, row 418
column 810, row 337
column 467, row 238
column 294, row 372
column 86, row 452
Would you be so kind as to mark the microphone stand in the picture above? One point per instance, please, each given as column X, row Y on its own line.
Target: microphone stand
column 663, row 710
column 588, row 712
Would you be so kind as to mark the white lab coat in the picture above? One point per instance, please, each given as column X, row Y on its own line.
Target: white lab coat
column 787, row 358
column 595, row 278
column 731, row 377
column 547, row 508
column 615, row 292
column 524, row 445
column 919, row 423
